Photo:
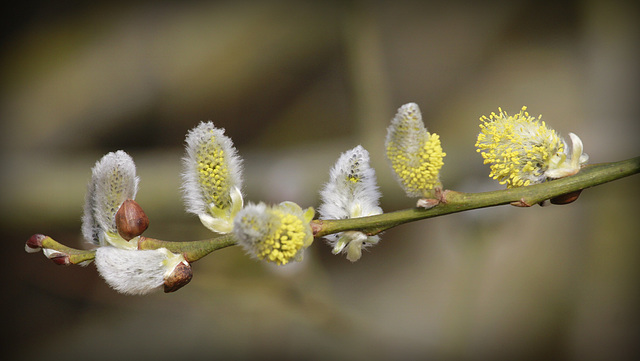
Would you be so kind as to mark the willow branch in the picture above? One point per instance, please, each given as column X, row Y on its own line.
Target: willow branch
column 450, row 202
column 453, row 202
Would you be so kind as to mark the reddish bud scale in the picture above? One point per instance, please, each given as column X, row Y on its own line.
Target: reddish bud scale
column 35, row 241
column 60, row 259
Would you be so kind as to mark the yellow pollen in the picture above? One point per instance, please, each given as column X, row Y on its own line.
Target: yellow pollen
column 213, row 174
column 518, row 148
column 419, row 172
column 284, row 242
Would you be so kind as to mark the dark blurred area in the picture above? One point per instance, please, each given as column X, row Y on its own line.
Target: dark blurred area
column 295, row 83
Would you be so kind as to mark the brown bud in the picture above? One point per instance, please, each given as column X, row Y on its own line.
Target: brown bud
column 60, row 259
column 566, row 198
column 180, row 276
column 131, row 220
column 34, row 243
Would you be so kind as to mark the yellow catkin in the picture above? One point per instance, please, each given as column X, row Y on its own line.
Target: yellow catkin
column 517, row 147
column 415, row 155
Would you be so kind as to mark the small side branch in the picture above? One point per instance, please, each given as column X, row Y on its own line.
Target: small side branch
column 57, row 252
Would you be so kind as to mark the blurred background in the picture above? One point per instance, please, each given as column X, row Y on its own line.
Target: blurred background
column 295, row 83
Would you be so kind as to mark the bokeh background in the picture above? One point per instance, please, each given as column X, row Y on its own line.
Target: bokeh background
column 295, row 83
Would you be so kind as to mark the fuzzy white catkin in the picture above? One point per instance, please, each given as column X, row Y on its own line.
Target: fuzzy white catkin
column 352, row 191
column 135, row 272
column 201, row 141
column 113, row 180
column 252, row 225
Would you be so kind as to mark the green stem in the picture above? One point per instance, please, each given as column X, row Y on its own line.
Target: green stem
column 191, row 250
column 453, row 202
